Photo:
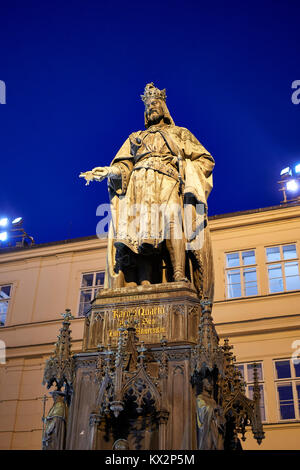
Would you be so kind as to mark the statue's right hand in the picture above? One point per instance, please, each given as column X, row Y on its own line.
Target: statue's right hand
column 88, row 176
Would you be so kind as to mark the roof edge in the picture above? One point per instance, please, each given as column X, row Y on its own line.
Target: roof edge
column 104, row 236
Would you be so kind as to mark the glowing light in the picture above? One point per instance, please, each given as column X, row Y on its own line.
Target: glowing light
column 17, row 220
column 292, row 185
column 297, row 168
column 3, row 236
column 286, row 171
column 3, row 222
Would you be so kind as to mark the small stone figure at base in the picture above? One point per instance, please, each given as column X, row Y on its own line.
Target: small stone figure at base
column 210, row 420
column 55, row 424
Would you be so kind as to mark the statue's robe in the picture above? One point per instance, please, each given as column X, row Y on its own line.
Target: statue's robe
column 209, row 424
column 55, row 427
column 150, row 177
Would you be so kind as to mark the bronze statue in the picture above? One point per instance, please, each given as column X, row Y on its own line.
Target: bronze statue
column 210, row 419
column 159, row 183
column 55, row 424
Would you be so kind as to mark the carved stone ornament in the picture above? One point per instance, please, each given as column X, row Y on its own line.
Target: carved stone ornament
column 129, row 399
column 225, row 402
column 59, row 367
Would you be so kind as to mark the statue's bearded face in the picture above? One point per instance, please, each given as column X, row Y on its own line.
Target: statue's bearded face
column 154, row 110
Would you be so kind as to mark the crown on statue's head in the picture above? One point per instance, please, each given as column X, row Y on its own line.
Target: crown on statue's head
column 152, row 92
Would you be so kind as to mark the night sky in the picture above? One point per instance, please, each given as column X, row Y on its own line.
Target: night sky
column 74, row 73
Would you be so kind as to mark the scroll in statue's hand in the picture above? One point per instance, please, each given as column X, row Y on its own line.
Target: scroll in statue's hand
column 88, row 176
column 97, row 174
column 100, row 173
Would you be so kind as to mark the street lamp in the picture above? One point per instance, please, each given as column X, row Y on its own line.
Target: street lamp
column 286, row 172
column 3, row 236
column 17, row 221
column 3, row 222
column 290, row 183
column 14, row 233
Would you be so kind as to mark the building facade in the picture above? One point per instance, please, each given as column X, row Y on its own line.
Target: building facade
column 256, row 306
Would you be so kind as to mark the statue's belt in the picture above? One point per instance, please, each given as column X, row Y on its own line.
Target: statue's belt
column 156, row 165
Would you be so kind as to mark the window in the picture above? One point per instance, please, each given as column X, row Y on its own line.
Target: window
column 283, row 268
column 241, row 279
column 90, row 285
column 5, row 292
column 247, row 373
column 287, row 381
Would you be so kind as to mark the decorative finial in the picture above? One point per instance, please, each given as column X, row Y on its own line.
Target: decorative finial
column 59, row 368
column 67, row 316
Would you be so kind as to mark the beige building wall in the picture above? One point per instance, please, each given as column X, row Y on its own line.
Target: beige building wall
column 46, row 280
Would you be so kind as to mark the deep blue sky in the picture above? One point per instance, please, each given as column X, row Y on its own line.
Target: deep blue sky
column 74, row 71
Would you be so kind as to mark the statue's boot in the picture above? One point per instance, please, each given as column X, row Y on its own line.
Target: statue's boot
column 176, row 250
column 145, row 270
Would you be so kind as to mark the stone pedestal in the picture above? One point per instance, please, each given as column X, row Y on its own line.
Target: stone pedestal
column 163, row 311
column 176, row 429
column 151, row 376
column 169, row 310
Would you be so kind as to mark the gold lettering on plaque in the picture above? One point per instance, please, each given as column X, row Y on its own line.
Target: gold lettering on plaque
column 147, row 317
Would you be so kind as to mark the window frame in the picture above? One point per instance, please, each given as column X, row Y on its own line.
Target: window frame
column 241, row 269
column 10, row 284
column 94, row 288
column 294, row 380
column 282, row 262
